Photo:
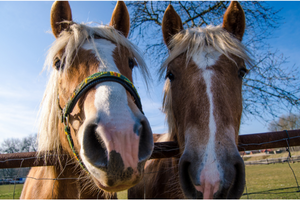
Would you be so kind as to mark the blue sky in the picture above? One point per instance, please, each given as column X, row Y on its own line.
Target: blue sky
column 26, row 36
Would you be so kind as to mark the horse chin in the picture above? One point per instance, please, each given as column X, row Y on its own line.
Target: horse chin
column 108, row 182
column 111, row 178
column 117, row 188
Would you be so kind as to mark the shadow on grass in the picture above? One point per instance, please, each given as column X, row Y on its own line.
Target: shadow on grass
column 271, row 191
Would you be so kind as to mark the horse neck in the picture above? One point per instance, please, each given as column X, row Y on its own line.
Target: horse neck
column 167, row 180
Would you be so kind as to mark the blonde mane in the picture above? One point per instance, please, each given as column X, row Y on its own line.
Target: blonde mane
column 192, row 41
column 71, row 40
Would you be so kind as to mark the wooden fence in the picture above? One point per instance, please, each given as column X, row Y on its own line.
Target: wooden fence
column 164, row 149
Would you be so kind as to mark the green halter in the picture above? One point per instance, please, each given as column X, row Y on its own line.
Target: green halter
column 86, row 85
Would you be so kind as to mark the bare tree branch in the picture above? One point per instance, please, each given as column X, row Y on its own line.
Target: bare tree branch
column 272, row 86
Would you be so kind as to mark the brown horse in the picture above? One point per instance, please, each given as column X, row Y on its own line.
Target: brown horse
column 104, row 131
column 203, row 106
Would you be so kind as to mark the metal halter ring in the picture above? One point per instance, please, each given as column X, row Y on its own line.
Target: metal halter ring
column 86, row 85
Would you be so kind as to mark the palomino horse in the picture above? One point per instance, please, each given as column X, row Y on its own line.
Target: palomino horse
column 203, row 106
column 101, row 126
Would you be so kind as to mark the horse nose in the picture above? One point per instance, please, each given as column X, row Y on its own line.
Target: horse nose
column 232, row 182
column 146, row 143
column 234, row 178
column 194, row 185
column 134, row 146
column 200, row 179
column 208, row 188
column 93, row 147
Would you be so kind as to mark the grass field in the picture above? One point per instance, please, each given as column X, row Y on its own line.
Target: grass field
column 274, row 181
column 6, row 191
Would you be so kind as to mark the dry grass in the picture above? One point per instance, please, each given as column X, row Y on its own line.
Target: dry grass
column 262, row 156
column 122, row 195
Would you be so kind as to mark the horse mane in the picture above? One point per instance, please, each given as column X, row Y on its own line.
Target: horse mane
column 167, row 109
column 194, row 40
column 70, row 41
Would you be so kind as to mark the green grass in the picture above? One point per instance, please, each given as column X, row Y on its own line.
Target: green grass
column 6, row 191
column 274, row 181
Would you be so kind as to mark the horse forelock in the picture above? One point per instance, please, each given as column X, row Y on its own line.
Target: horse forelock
column 194, row 40
column 70, row 41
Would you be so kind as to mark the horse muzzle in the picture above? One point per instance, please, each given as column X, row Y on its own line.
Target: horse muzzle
column 116, row 158
column 204, row 180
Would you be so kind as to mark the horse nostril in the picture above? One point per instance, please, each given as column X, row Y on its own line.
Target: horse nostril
column 184, row 172
column 186, row 182
column 94, row 148
column 234, row 179
column 146, row 140
column 237, row 188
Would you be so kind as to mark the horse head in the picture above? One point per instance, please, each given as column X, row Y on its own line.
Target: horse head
column 203, row 102
column 91, row 87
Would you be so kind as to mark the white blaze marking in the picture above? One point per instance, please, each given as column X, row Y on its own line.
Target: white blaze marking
column 105, row 49
column 110, row 99
column 203, row 60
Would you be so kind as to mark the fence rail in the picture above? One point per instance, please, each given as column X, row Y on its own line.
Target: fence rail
column 164, row 149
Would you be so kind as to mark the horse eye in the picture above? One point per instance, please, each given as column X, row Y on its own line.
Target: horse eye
column 170, row 76
column 242, row 72
column 57, row 63
column 131, row 63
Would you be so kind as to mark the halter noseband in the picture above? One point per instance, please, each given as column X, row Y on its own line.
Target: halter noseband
column 86, row 85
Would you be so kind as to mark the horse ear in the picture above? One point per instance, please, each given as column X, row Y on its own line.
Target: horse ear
column 120, row 18
column 171, row 24
column 234, row 20
column 60, row 12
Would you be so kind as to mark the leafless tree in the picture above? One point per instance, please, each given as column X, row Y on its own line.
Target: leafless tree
column 271, row 87
column 29, row 144
column 16, row 145
column 285, row 122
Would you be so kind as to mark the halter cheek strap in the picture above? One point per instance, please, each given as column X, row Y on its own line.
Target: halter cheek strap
column 86, row 85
